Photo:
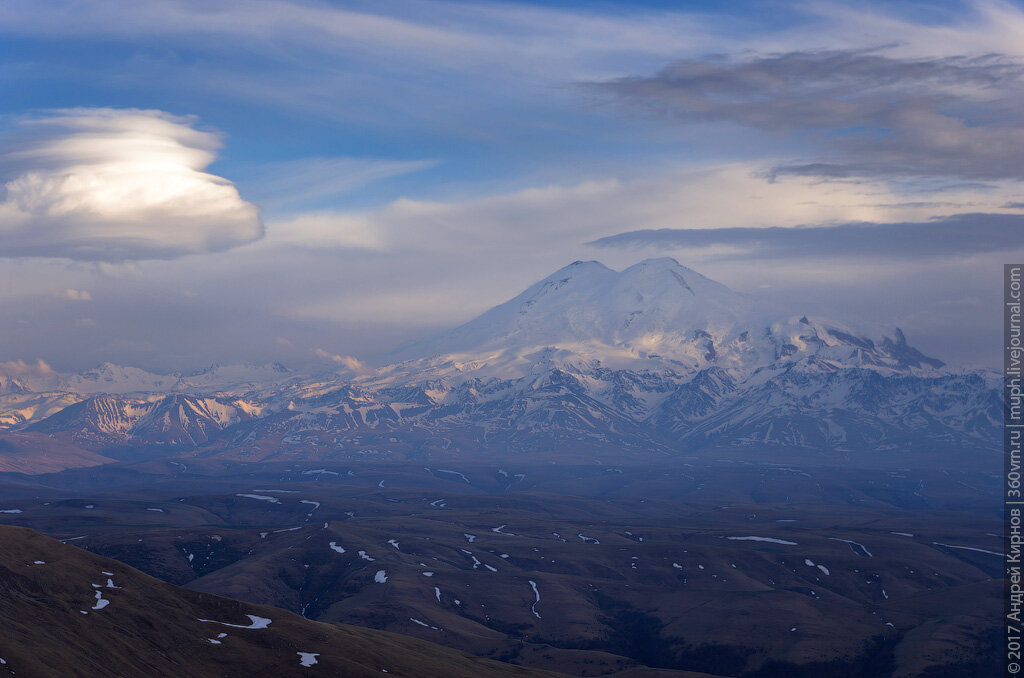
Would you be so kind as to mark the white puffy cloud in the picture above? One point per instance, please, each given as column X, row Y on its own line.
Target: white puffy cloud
column 113, row 185
column 347, row 361
column 20, row 368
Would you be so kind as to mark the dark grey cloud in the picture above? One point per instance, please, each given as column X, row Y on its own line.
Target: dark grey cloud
column 874, row 115
column 958, row 235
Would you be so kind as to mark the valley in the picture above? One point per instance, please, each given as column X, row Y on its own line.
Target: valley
column 721, row 569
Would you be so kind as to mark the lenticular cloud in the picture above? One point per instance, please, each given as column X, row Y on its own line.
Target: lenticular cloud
column 114, row 185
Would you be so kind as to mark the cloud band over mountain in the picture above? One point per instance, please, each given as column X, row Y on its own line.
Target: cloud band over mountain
column 954, row 236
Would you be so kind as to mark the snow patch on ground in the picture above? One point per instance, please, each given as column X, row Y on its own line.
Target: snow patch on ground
column 257, row 622
column 855, row 546
column 261, row 497
column 765, row 539
column 533, row 608
column 969, row 548
column 455, row 473
column 417, row 621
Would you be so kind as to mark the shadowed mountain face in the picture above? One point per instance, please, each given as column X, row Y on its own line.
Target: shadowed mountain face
column 653, row 360
column 67, row 612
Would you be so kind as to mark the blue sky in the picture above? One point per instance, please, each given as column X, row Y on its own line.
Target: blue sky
column 189, row 182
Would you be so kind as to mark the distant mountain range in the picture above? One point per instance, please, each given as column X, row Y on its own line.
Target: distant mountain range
column 655, row 359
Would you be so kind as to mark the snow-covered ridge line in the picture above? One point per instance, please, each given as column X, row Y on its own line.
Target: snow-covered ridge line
column 111, row 379
column 653, row 357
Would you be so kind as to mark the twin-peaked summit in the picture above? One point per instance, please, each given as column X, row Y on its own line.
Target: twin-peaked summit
column 654, row 313
column 649, row 306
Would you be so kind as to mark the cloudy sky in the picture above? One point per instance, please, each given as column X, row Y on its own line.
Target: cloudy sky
column 188, row 182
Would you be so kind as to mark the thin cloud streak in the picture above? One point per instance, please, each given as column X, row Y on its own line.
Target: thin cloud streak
column 291, row 184
column 450, row 35
column 959, row 236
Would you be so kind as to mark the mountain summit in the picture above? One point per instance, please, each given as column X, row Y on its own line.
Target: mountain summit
column 656, row 313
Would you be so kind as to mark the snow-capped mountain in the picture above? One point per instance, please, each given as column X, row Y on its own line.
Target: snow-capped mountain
column 656, row 314
column 108, row 378
column 11, row 386
column 173, row 420
column 655, row 358
column 587, row 311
